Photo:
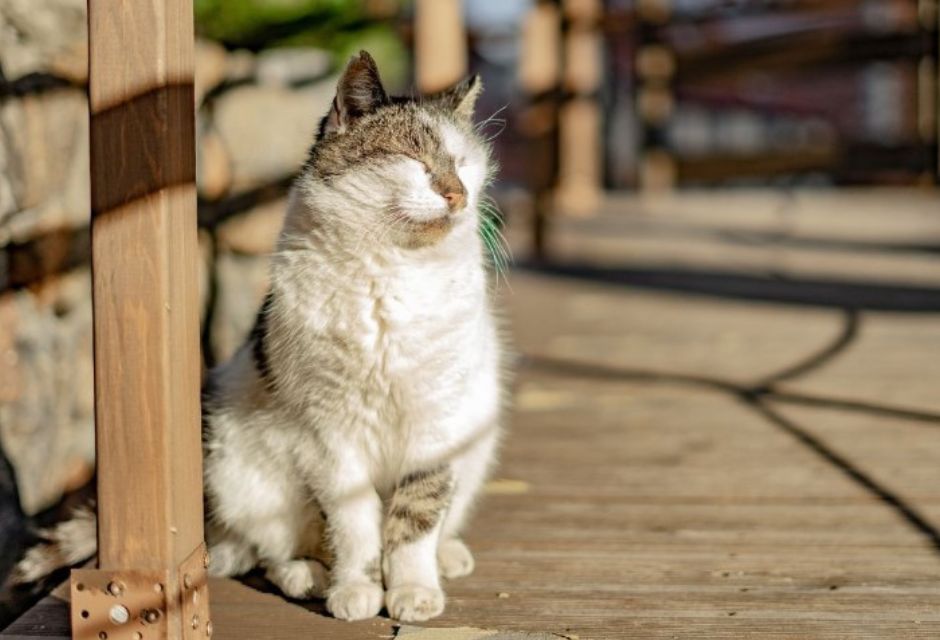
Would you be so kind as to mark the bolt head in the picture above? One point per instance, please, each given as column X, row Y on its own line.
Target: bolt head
column 209, row 627
column 115, row 588
column 187, row 581
column 195, row 622
column 151, row 616
column 119, row 614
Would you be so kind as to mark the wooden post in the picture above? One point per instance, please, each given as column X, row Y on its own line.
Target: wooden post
column 655, row 70
column 440, row 44
column 540, row 76
column 927, row 87
column 152, row 564
column 580, row 170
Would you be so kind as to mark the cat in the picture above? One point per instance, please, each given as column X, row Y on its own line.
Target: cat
column 354, row 428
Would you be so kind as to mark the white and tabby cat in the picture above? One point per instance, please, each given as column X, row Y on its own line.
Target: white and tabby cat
column 357, row 423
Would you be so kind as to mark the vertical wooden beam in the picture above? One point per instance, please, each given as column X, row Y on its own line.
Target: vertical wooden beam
column 929, row 11
column 655, row 69
column 540, row 51
column 540, row 77
column 146, row 325
column 440, row 44
column 928, row 112
column 580, row 169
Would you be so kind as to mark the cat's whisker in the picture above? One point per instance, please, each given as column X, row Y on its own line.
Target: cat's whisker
column 492, row 117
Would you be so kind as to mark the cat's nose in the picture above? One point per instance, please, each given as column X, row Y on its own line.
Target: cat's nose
column 452, row 190
column 455, row 200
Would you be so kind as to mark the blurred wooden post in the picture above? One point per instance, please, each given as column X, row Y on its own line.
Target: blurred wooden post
column 928, row 91
column 655, row 67
column 580, row 170
column 151, row 578
column 539, row 77
column 440, row 44
column 929, row 12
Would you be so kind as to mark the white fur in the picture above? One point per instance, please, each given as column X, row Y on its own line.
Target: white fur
column 387, row 361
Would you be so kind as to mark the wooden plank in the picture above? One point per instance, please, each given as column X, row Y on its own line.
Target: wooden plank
column 146, row 320
column 144, row 256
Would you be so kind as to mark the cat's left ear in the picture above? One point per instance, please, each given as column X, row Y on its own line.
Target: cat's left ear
column 358, row 93
column 461, row 98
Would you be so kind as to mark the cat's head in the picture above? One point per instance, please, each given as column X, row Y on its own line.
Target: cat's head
column 411, row 171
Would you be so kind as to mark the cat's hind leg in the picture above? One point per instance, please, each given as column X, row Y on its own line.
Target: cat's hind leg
column 470, row 471
column 229, row 557
column 305, row 576
column 299, row 578
column 261, row 516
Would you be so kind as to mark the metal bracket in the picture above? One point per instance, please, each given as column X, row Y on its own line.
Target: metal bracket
column 194, row 595
column 135, row 605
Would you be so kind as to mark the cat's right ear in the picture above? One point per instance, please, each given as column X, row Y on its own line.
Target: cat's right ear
column 358, row 93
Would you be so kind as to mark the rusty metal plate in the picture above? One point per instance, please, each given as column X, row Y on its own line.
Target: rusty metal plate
column 194, row 595
column 119, row 605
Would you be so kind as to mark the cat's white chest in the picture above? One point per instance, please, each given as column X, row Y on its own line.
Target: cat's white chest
column 421, row 337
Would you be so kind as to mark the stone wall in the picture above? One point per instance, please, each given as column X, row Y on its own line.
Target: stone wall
column 256, row 118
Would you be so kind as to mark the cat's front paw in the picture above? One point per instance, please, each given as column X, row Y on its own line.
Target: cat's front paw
column 414, row 603
column 454, row 559
column 355, row 601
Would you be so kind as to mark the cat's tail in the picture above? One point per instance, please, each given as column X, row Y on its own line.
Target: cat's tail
column 63, row 545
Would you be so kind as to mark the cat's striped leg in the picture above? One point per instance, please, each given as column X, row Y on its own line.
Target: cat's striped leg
column 412, row 529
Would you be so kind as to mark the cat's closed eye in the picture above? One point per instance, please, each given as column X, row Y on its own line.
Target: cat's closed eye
column 424, row 165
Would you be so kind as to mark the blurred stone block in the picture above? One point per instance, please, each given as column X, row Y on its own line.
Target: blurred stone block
column 47, row 37
column 254, row 233
column 292, row 65
column 211, row 67
column 241, row 281
column 44, row 150
column 213, row 166
column 267, row 131
column 47, row 413
column 239, row 65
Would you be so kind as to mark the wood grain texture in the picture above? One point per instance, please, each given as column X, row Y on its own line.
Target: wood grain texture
column 580, row 148
column 440, row 44
column 540, row 49
column 145, row 282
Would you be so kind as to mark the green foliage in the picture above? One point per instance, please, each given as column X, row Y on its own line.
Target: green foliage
column 340, row 26
column 254, row 24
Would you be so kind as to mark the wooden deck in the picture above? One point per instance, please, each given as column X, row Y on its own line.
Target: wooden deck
column 726, row 425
